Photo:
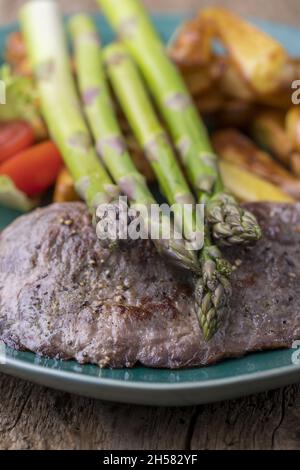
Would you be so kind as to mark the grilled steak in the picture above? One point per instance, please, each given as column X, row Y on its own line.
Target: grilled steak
column 63, row 296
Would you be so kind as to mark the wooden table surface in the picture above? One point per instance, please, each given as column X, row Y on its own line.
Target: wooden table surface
column 287, row 11
column 33, row 417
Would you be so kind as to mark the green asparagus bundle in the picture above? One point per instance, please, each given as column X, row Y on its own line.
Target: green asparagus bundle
column 47, row 51
column 231, row 224
column 151, row 136
column 214, row 287
column 110, row 143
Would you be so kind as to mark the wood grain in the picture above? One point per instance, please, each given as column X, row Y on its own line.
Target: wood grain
column 287, row 11
column 33, row 417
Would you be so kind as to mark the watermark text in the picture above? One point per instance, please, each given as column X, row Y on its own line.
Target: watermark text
column 296, row 354
column 120, row 221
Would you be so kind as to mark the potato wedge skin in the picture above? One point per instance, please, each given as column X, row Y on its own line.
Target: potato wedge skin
column 235, row 148
column 247, row 187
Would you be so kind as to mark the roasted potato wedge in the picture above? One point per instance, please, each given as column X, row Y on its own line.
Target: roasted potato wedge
column 201, row 78
column 235, row 113
column 295, row 163
column 234, row 85
column 210, row 102
column 247, row 187
column 293, row 126
column 192, row 44
column 235, row 148
column 260, row 59
column 268, row 130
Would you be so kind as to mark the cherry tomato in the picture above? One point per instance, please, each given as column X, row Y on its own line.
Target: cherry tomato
column 35, row 169
column 15, row 137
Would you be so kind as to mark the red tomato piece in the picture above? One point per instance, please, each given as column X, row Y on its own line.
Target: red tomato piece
column 15, row 137
column 35, row 169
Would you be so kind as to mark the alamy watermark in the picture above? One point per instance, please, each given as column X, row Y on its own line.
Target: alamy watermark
column 296, row 94
column 119, row 220
column 296, row 354
column 2, row 353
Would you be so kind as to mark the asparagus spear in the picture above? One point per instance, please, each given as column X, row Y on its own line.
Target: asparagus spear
column 214, row 286
column 46, row 45
column 213, row 290
column 107, row 134
column 231, row 224
column 150, row 134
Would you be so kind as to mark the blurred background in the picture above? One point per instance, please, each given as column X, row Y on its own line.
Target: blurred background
column 287, row 11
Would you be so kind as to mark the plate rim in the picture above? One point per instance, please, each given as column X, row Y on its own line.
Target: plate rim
column 242, row 379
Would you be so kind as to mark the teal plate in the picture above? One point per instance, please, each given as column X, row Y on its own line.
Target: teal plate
column 141, row 385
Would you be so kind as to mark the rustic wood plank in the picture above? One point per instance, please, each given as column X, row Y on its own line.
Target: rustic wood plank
column 33, row 417
column 268, row 421
column 287, row 11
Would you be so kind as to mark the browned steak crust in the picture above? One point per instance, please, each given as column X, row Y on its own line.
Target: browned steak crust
column 63, row 296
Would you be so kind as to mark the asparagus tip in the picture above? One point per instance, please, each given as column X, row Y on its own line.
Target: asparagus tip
column 231, row 224
column 212, row 291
